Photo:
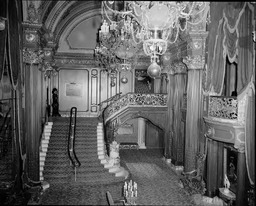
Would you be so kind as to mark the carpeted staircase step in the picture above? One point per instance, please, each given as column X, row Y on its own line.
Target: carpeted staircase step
column 78, row 145
column 57, row 165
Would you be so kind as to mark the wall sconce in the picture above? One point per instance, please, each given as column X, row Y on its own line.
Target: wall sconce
column 2, row 23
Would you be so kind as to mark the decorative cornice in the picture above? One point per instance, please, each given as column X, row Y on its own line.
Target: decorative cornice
column 87, row 62
column 194, row 62
column 31, row 25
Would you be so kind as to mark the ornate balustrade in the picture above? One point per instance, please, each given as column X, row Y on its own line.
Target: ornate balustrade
column 227, row 109
column 226, row 119
column 135, row 100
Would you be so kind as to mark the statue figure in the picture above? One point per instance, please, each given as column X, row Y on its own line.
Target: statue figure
column 226, row 184
column 114, row 157
column 55, row 103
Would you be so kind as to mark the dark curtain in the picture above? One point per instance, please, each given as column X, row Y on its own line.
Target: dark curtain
column 233, row 38
column 3, row 34
column 231, row 35
column 218, row 64
column 250, row 134
column 245, row 49
column 14, row 40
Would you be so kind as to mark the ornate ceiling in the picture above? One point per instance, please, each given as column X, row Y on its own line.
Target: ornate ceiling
column 72, row 26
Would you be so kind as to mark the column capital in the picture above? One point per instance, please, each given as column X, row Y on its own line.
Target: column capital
column 177, row 67
column 196, row 43
column 32, row 56
column 194, row 62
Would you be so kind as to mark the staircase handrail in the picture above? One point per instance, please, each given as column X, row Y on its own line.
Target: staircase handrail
column 110, row 99
column 71, row 138
column 134, row 100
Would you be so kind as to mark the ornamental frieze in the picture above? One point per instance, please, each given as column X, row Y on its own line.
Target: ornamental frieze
column 194, row 62
column 32, row 12
column 90, row 62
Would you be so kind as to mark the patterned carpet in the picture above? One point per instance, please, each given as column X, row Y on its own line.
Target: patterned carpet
column 157, row 184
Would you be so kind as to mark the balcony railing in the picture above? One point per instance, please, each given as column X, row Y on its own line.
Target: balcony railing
column 135, row 100
column 227, row 109
column 223, row 107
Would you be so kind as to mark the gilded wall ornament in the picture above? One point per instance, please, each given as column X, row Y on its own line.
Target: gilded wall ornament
column 194, row 62
column 31, row 56
column 33, row 15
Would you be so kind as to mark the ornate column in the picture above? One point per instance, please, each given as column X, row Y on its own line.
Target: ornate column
column 178, row 70
column 32, row 58
column 195, row 63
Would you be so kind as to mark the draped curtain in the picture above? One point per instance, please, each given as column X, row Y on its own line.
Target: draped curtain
column 169, row 133
column 233, row 24
column 3, row 35
column 245, row 48
column 250, row 132
column 178, row 141
column 233, row 27
column 193, row 108
column 14, row 40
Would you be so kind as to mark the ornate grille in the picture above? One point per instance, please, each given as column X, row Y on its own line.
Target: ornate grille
column 223, row 107
column 136, row 99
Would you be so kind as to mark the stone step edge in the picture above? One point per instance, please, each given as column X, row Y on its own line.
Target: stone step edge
column 119, row 171
column 44, row 147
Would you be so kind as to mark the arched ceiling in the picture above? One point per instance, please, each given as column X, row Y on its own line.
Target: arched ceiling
column 75, row 24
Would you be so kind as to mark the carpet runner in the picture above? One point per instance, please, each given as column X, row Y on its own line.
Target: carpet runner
column 157, row 184
column 57, row 168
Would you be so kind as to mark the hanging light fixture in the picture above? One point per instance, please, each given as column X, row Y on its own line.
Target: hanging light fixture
column 152, row 23
column 116, row 51
column 124, row 79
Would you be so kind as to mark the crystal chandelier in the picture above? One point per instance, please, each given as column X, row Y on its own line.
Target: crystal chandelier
column 116, row 51
column 152, row 23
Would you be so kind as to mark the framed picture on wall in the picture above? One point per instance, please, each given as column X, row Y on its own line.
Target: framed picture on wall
column 73, row 89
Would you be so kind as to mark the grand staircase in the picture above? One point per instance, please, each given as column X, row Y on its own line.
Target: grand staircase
column 57, row 168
